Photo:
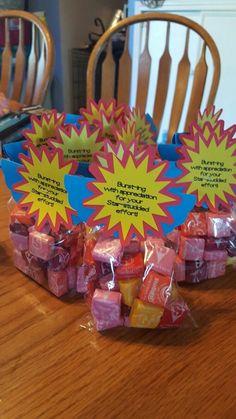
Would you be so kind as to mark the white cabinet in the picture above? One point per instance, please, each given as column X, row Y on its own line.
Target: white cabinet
column 218, row 17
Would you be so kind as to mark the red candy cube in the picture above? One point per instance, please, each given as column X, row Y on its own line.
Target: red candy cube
column 191, row 248
column 155, row 289
column 215, row 269
column 41, row 245
column 57, row 282
column 179, row 270
column 131, row 266
column 175, row 312
column 160, row 259
column 195, row 224
column 218, row 225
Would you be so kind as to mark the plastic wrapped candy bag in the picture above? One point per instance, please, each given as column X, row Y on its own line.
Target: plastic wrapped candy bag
column 131, row 285
column 51, row 259
column 206, row 241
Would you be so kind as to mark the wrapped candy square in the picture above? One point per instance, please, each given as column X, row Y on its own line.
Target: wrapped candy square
column 195, row 224
column 155, row 289
column 20, row 261
column 211, row 243
column 215, row 269
column 179, row 270
column 108, row 250
column 130, row 266
column 174, row 314
column 191, row 248
column 219, row 255
column 218, row 225
column 196, row 271
column 20, row 242
column 160, row 258
column 57, row 282
column 41, row 245
column 106, row 309
column 145, row 315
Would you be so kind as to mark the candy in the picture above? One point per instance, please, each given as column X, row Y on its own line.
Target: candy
column 21, row 229
column 195, row 224
column 60, row 260
column 71, row 277
column 196, row 271
column 108, row 250
column 130, row 266
column 132, row 247
column 174, row 314
column 212, row 243
column 106, row 309
column 88, row 248
column 129, row 289
column 38, row 275
column 20, row 215
column 41, row 245
column 20, row 242
column 219, row 255
column 108, row 282
column 172, row 239
column 218, row 225
column 20, row 262
column 57, row 282
column 160, row 259
column 215, row 269
column 145, row 315
column 85, row 275
column 179, row 270
column 191, row 248
column 155, row 289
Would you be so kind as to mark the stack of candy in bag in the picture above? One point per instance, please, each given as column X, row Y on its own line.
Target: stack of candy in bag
column 206, row 240
column 51, row 259
column 131, row 285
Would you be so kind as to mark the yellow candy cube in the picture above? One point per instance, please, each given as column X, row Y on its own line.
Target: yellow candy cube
column 145, row 315
column 129, row 289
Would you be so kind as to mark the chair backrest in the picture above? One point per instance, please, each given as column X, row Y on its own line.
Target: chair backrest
column 27, row 57
column 183, row 74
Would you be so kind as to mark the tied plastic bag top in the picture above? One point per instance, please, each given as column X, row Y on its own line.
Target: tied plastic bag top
column 131, row 285
column 207, row 241
column 50, row 259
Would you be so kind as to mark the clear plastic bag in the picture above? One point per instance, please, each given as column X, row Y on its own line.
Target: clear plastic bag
column 51, row 259
column 132, row 285
column 207, row 240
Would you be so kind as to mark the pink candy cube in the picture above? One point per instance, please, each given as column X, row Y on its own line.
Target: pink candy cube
column 179, row 270
column 106, row 306
column 41, row 245
column 216, row 244
column 160, row 259
column 108, row 250
column 196, row 271
column 218, row 225
column 60, row 260
column 57, row 282
column 109, row 323
column 85, row 275
column 20, row 262
column 38, row 275
column 71, row 277
column 191, row 248
column 219, row 255
column 20, row 242
column 215, row 269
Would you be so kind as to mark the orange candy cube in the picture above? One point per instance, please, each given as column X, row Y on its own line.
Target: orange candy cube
column 129, row 289
column 145, row 315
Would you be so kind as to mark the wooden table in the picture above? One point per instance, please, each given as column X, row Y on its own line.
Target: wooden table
column 51, row 367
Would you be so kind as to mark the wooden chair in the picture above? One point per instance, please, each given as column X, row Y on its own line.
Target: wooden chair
column 27, row 57
column 181, row 84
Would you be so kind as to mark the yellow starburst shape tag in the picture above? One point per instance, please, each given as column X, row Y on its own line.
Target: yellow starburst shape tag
column 77, row 144
column 142, row 126
column 43, row 128
column 42, row 187
column 209, row 167
column 130, row 196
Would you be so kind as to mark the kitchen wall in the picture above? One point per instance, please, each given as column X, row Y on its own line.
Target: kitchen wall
column 70, row 21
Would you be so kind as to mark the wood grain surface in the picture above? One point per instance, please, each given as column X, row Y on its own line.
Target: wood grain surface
column 51, row 367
